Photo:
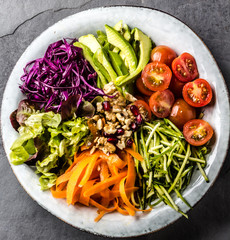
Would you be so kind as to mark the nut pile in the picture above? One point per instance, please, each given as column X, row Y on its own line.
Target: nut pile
column 116, row 120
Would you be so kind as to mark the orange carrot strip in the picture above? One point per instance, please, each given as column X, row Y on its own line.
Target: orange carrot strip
column 66, row 176
column 125, row 198
column 99, row 206
column 80, row 156
column 129, row 210
column 104, row 184
column 131, row 174
column 105, row 200
column 76, row 194
column 116, row 193
column 84, row 147
column 85, row 200
column 104, row 171
column 134, row 147
column 74, row 179
column 134, row 154
column 89, row 169
column 70, row 167
column 58, row 194
column 122, row 211
column 113, row 169
column 104, row 174
column 113, row 159
column 96, row 171
column 61, row 186
column 99, row 216
column 105, row 193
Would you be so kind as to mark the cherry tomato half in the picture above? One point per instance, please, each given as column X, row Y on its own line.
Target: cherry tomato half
column 163, row 54
column 197, row 132
column 142, row 104
column 176, row 87
column 181, row 113
column 142, row 88
column 197, row 93
column 156, row 76
column 161, row 103
column 184, row 67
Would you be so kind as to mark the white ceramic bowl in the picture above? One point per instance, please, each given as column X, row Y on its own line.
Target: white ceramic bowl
column 163, row 29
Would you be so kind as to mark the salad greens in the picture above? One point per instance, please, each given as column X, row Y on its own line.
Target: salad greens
column 169, row 162
column 47, row 142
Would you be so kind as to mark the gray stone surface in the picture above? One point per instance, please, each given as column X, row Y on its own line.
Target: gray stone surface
column 20, row 22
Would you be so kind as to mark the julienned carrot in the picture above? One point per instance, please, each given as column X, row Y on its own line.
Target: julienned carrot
column 98, row 187
column 85, row 200
column 104, row 171
column 134, row 154
column 99, row 216
column 74, row 179
column 131, row 175
column 58, row 194
column 116, row 193
column 100, row 207
column 99, row 180
column 125, row 198
column 113, row 159
column 89, row 170
column 66, row 176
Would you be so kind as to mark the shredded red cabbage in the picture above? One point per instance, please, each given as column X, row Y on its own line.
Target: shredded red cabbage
column 61, row 73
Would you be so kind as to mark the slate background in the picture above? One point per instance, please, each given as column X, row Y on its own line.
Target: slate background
column 23, row 20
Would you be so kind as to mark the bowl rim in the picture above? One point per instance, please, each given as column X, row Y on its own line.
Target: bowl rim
column 225, row 86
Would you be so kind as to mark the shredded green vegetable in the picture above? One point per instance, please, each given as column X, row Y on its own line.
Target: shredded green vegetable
column 169, row 162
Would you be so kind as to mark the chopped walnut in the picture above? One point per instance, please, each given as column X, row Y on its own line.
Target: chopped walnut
column 121, row 144
column 117, row 109
column 127, row 133
column 110, row 128
column 120, row 118
column 109, row 120
column 109, row 88
column 99, row 124
column 96, row 117
column 110, row 116
column 99, row 107
column 130, row 97
column 128, row 121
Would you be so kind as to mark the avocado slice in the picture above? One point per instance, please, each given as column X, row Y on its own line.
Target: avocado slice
column 100, row 57
column 90, row 41
column 127, row 34
column 118, row 26
column 118, row 63
column 101, row 38
column 145, row 46
column 116, row 39
column 101, row 66
column 89, row 57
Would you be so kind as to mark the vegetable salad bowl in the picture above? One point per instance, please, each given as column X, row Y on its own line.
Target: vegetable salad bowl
column 163, row 30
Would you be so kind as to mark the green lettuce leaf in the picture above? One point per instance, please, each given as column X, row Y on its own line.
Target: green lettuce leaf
column 48, row 143
column 47, row 180
column 19, row 155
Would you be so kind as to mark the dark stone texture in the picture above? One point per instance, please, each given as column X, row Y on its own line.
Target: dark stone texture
column 20, row 22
